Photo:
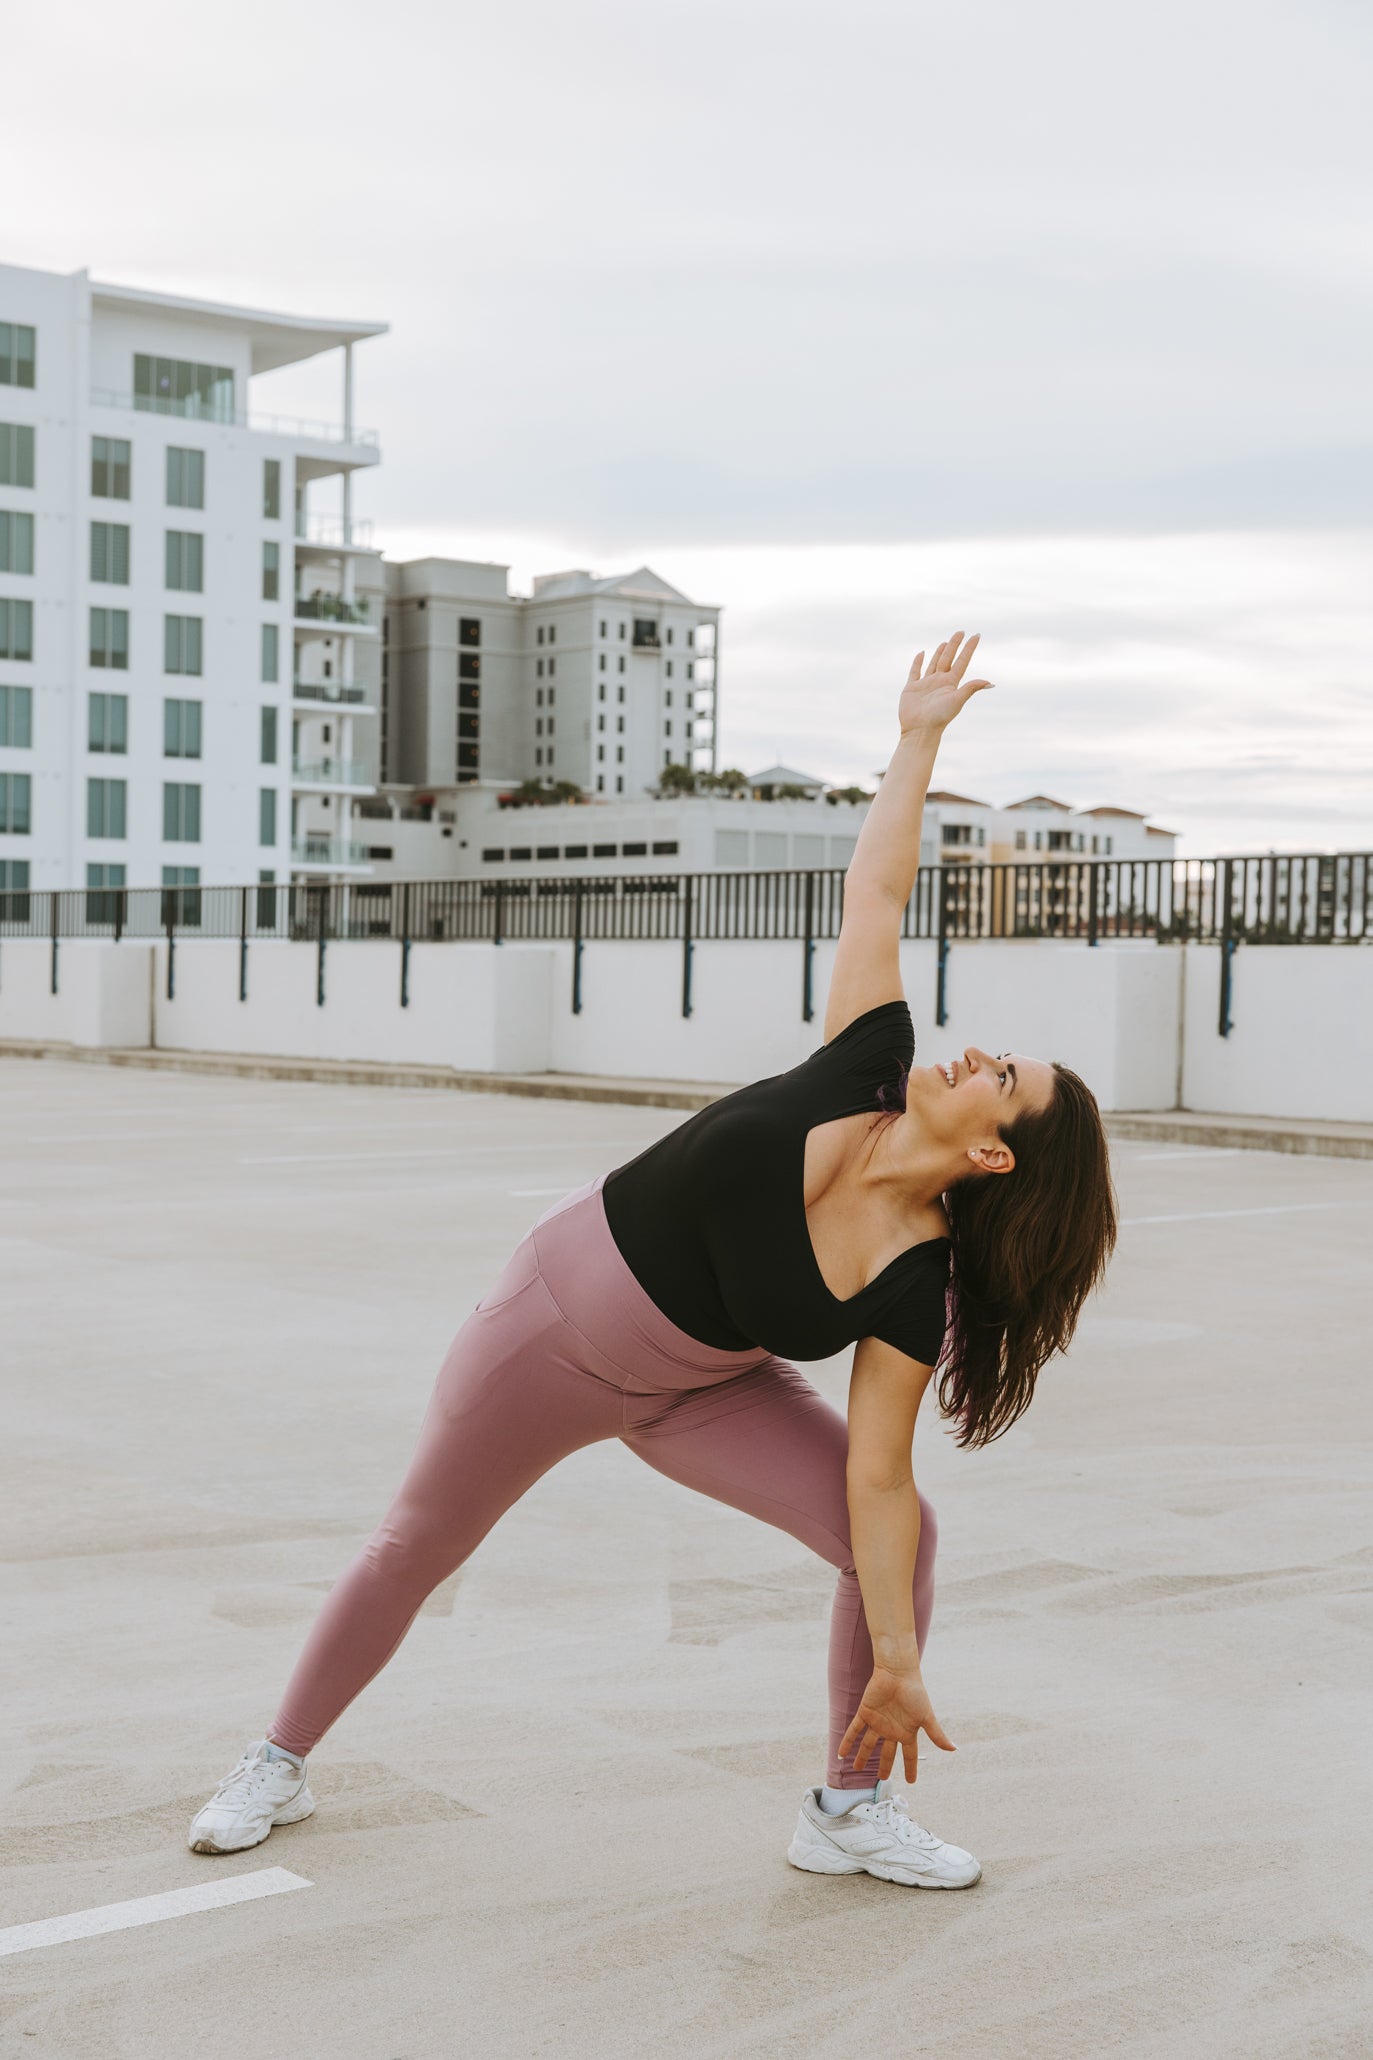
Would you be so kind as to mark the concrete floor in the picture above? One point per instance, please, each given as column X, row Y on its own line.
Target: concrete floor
column 556, row 1824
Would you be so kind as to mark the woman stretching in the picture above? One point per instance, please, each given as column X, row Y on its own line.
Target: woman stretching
column 954, row 1215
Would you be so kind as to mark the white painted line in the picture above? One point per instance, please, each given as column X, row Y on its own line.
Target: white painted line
column 150, row 1909
column 1194, row 1151
column 1278, row 1209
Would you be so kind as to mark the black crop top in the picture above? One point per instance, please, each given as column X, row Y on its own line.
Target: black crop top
column 711, row 1220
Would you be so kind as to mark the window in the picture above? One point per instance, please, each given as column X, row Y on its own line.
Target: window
column 665, row 850
column 174, row 386
column 185, row 478
column 633, row 850
column 521, row 851
column 604, row 850
column 182, row 644
column 16, row 541
column 491, row 855
column 691, row 638
column 668, row 634
column 469, row 665
column 602, row 629
column 621, row 630
column 600, row 665
column 185, row 561
column 16, row 717
column 106, row 808
column 267, row 815
column 269, row 669
column 619, row 784
column 620, row 724
column 552, row 632
column 552, row 667
column 620, row 695
column 110, row 468
column 574, row 851
column 110, row 553
column 668, row 670
column 538, row 726
column 547, row 851
column 18, row 352
column 691, row 670
column 619, row 754
column 266, row 899
column 271, row 489
column 267, row 737
column 16, row 629
column 1020, row 840
column 16, row 454
column 600, row 754
column 110, row 638
column 181, row 731
column 645, row 635
column 622, row 663
column 469, row 630
column 107, row 722
column 15, row 793
column 271, row 571
column 103, row 907
column 181, row 896
column 600, row 722
column 180, row 815
column 14, row 889
column 668, row 696
column 539, row 669
column 600, row 783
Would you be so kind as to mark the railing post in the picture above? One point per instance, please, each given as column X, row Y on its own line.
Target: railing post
column 500, row 910
column 807, row 1002
column 1092, row 884
column 243, row 945
column 1227, row 953
column 169, row 911
column 941, row 990
column 405, row 946
column 688, row 946
column 577, row 949
column 53, row 926
column 322, row 904
column 120, row 904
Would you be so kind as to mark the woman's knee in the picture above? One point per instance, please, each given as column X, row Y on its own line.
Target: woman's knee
column 408, row 1552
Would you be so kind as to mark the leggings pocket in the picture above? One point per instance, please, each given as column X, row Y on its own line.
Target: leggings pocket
column 519, row 1271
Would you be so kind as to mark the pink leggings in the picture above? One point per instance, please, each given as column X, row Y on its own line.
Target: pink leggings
column 567, row 1348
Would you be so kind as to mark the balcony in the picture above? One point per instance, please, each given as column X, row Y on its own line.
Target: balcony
column 332, row 533
column 330, row 692
column 195, row 408
column 328, row 854
column 330, row 772
column 333, row 609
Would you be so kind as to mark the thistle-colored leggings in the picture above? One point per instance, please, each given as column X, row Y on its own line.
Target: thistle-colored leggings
column 567, row 1348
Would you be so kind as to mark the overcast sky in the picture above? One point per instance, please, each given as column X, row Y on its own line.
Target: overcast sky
column 866, row 322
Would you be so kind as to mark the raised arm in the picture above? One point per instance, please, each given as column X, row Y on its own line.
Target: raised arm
column 881, row 873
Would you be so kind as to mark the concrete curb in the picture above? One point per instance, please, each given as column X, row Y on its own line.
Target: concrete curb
column 1171, row 1126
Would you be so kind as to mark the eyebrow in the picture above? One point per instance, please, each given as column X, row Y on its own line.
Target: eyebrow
column 1010, row 1069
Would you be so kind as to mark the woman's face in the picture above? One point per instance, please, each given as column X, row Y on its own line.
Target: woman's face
column 966, row 1102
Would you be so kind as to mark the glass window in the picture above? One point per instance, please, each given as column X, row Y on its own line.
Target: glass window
column 16, row 541
column 271, row 571
column 103, row 907
column 16, row 629
column 271, row 489
column 469, row 665
column 14, row 889
column 109, row 641
column 110, row 553
column 666, row 849
column 180, row 816
column 271, row 653
column 174, row 386
column 181, row 730
column 16, row 454
column 110, row 468
column 602, row 629
column 15, row 802
column 185, row 561
column 538, row 634
column 469, row 630
column 183, row 644
column 106, row 808
column 622, row 663
column 18, row 354
column 107, row 722
column 267, row 737
column 16, row 717
column 267, row 815
column 185, row 478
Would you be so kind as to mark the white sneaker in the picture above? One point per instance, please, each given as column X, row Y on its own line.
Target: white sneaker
column 877, row 1838
column 252, row 1797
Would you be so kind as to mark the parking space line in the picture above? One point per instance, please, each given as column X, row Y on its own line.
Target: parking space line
column 150, row 1909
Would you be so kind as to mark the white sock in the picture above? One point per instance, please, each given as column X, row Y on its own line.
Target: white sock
column 834, row 1801
column 279, row 1752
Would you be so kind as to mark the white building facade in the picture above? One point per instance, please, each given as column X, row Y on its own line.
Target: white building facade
column 189, row 653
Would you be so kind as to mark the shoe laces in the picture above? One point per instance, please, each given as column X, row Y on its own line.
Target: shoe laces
column 893, row 1817
column 242, row 1781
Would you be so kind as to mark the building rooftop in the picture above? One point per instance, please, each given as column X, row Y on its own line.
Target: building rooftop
column 948, row 800
column 276, row 339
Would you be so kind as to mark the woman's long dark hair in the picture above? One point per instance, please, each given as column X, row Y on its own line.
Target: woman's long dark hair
column 1028, row 1248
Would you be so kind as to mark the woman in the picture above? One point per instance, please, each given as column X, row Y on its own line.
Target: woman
column 956, row 1214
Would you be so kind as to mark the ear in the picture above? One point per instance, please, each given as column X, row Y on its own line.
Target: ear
column 992, row 1158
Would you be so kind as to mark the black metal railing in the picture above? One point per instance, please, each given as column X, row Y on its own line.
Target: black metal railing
column 1317, row 898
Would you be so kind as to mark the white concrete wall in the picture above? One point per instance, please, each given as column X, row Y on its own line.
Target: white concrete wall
column 1302, row 1036
column 1118, row 1014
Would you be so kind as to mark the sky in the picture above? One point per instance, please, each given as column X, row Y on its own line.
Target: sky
column 864, row 323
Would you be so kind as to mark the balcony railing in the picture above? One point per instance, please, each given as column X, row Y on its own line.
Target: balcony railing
column 331, row 772
column 327, row 690
column 334, row 529
column 327, row 851
column 193, row 408
column 331, row 608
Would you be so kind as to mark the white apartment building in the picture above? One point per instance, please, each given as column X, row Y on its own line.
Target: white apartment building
column 601, row 681
column 189, row 651
column 968, row 832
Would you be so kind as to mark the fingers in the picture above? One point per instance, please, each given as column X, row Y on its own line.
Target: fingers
column 888, row 1759
column 959, row 665
column 916, row 665
column 910, row 1759
column 935, row 1731
column 949, row 651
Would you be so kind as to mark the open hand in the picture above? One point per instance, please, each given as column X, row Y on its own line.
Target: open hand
column 894, row 1711
column 934, row 693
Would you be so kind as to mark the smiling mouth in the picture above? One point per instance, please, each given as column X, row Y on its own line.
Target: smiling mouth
column 949, row 1069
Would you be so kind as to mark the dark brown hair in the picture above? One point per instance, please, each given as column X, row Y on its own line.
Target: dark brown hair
column 1028, row 1248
